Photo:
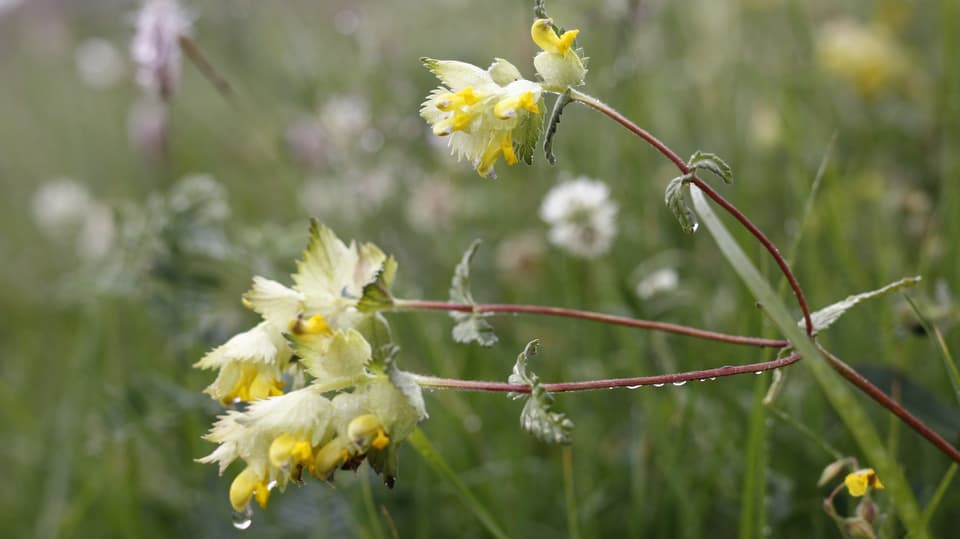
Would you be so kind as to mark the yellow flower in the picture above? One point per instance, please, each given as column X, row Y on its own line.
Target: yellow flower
column 868, row 58
column 559, row 65
column 860, row 481
column 245, row 486
column 251, row 365
column 487, row 114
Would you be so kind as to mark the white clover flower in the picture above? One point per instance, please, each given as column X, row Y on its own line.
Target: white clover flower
column 156, row 46
column 99, row 64
column 486, row 113
column 581, row 216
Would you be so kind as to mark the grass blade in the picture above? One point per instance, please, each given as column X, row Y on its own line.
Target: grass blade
column 418, row 440
column 838, row 393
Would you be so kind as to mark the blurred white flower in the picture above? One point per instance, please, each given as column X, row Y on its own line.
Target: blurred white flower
column 8, row 5
column 519, row 257
column 60, row 205
column 65, row 210
column 345, row 117
column 657, row 282
column 432, row 205
column 765, row 126
column 350, row 196
column 155, row 47
column 581, row 216
column 307, row 140
column 147, row 123
column 99, row 64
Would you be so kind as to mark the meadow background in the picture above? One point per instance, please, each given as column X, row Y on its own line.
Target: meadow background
column 101, row 413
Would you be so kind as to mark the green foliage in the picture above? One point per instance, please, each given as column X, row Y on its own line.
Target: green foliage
column 553, row 123
column 678, row 204
column 537, row 418
column 470, row 327
column 825, row 317
column 713, row 163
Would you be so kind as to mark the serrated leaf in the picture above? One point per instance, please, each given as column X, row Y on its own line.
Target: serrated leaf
column 376, row 294
column 527, row 134
column 678, row 204
column 562, row 101
column 470, row 327
column 537, row 418
column 713, row 163
column 825, row 317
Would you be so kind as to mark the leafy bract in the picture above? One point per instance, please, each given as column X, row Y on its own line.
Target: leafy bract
column 537, row 418
column 713, row 163
column 678, row 204
column 826, row 316
column 470, row 327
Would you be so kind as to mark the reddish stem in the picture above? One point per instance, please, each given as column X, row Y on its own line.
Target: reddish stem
column 564, row 387
column 672, row 156
column 887, row 402
column 588, row 315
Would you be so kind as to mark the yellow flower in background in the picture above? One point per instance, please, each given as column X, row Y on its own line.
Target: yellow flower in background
column 860, row 481
column 487, row 114
column 868, row 58
column 559, row 65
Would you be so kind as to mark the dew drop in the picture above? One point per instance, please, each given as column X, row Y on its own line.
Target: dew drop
column 634, row 387
column 758, row 373
column 271, row 484
column 658, row 385
column 702, row 380
column 712, row 378
column 680, row 383
column 696, row 226
column 242, row 519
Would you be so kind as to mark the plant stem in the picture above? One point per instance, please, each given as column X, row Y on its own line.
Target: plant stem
column 887, row 402
column 434, row 382
column 602, row 107
column 588, row 315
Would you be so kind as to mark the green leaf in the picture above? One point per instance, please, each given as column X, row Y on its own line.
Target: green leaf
column 470, row 327
column 713, row 163
column 562, row 101
column 826, row 316
column 844, row 402
column 678, row 204
column 527, row 134
column 376, row 294
column 537, row 418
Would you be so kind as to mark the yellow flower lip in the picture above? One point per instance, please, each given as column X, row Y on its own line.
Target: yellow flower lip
column 860, row 481
column 315, row 325
column 245, row 486
column 546, row 38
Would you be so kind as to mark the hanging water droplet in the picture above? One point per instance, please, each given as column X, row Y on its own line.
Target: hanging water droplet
column 696, row 226
column 634, row 387
column 680, row 383
column 271, row 484
column 242, row 519
column 658, row 385
column 702, row 380
column 712, row 378
column 758, row 373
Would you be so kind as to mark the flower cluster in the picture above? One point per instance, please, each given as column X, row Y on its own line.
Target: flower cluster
column 493, row 113
column 357, row 404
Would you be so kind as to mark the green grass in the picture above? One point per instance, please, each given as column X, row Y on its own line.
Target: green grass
column 101, row 414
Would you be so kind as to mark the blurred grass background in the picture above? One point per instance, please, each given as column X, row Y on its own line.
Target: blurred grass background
column 101, row 414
